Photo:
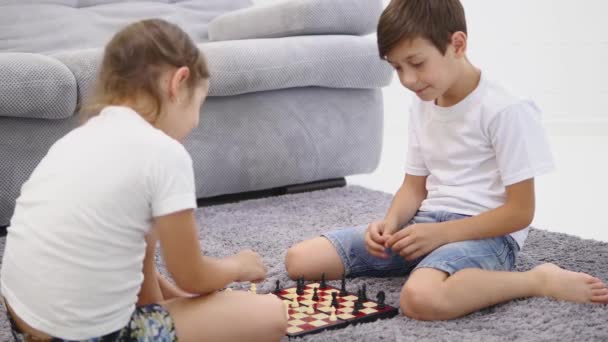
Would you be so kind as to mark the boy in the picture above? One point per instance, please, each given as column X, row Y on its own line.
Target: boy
column 461, row 215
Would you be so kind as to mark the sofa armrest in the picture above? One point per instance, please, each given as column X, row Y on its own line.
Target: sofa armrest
column 298, row 17
column 36, row 86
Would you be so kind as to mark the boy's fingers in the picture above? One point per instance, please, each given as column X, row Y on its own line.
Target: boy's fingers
column 396, row 237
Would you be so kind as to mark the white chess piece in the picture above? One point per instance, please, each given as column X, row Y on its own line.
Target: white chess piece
column 311, row 310
column 253, row 288
column 333, row 317
column 294, row 303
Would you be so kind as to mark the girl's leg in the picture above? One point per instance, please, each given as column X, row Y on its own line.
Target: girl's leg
column 228, row 316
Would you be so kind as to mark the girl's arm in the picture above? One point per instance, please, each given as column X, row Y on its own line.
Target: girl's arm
column 193, row 272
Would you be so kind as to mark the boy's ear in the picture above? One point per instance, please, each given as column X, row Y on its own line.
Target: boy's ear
column 180, row 76
column 459, row 43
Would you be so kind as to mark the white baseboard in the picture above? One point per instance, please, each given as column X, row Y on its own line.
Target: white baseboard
column 572, row 127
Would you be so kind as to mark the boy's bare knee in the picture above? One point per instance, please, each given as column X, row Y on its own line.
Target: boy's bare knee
column 421, row 303
column 294, row 262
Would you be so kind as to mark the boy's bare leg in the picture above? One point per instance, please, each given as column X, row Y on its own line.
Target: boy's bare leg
column 228, row 316
column 312, row 257
column 430, row 294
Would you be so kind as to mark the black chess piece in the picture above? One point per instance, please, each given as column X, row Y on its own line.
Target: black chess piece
column 315, row 295
column 364, row 293
column 381, row 297
column 323, row 283
column 343, row 292
column 277, row 289
column 359, row 295
column 334, row 299
column 300, row 286
column 357, row 308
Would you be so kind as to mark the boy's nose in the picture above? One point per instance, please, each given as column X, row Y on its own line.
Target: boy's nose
column 409, row 80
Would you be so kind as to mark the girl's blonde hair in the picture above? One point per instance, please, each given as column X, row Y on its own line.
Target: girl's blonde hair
column 134, row 61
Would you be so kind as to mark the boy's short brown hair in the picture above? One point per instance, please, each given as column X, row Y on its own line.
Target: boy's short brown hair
column 434, row 20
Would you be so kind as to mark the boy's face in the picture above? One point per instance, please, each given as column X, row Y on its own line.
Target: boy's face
column 422, row 68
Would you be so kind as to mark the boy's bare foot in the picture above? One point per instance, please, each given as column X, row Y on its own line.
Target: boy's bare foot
column 571, row 286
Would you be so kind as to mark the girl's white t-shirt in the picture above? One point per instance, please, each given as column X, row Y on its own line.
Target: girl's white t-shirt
column 74, row 253
column 473, row 150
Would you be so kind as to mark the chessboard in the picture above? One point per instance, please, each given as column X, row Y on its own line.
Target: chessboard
column 320, row 307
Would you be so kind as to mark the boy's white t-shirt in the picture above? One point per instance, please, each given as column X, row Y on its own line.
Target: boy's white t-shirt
column 73, row 261
column 474, row 149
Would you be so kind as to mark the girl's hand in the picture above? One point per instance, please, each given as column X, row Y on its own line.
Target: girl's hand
column 249, row 266
column 377, row 234
column 417, row 240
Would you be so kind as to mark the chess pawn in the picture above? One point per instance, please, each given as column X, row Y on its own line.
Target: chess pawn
column 253, row 288
column 323, row 283
column 333, row 317
column 277, row 289
column 381, row 296
column 286, row 309
column 315, row 295
column 334, row 299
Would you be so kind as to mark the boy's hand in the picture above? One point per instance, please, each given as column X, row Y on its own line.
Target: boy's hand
column 376, row 236
column 417, row 240
column 249, row 266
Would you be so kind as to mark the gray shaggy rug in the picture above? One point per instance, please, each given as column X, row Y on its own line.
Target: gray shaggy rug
column 269, row 226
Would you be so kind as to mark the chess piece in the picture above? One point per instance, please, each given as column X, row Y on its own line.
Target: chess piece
column 323, row 283
column 228, row 289
column 253, row 288
column 359, row 295
column 356, row 308
column 294, row 302
column 315, row 295
column 310, row 310
column 381, row 297
column 277, row 289
column 343, row 292
column 333, row 317
column 364, row 293
column 286, row 309
column 334, row 299
column 300, row 286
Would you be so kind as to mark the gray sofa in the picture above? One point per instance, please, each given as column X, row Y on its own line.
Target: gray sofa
column 295, row 87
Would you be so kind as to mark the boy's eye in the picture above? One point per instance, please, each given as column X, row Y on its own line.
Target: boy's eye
column 417, row 65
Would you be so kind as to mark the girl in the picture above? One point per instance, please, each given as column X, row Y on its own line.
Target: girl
column 79, row 258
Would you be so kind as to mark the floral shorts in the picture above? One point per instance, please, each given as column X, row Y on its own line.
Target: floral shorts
column 148, row 323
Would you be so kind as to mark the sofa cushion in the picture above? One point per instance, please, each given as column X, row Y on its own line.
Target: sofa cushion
column 298, row 17
column 247, row 66
column 48, row 26
column 35, row 86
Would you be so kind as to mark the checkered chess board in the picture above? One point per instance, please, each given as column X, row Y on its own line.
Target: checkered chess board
column 310, row 316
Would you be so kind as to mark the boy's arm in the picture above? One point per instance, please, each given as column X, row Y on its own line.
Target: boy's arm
column 406, row 202
column 516, row 214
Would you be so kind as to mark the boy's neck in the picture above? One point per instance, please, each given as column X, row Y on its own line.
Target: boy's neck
column 467, row 80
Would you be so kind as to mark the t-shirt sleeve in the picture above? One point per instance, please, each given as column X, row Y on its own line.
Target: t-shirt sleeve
column 414, row 164
column 172, row 181
column 520, row 143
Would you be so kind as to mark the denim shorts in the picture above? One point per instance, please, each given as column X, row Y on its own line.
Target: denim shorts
column 496, row 254
column 148, row 323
